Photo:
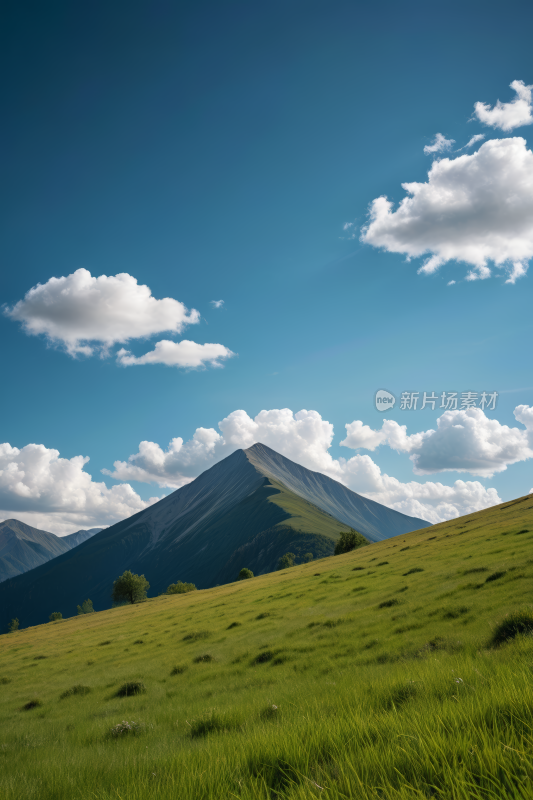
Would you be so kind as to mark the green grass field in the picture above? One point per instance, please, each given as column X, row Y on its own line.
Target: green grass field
column 367, row 675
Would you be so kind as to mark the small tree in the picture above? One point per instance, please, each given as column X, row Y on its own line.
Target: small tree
column 245, row 573
column 308, row 557
column 349, row 540
column 86, row 607
column 181, row 588
column 13, row 625
column 55, row 615
column 286, row 561
column 130, row 588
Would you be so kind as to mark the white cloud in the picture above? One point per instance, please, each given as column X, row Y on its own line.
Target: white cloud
column 217, row 303
column 85, row 313
column 474, row 140
column 465, row 441
column 450, row 283
column 347, row 226
column 440, row 144
column 305, row 438
column 475, row 208
column 508, row 116
column 178, row 354
column 56, row 494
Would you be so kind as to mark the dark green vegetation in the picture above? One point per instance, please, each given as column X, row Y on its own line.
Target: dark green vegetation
column 55, row 616
column 303, row 683
column 250, row 508
column 130, row 588
column 286, row 561
column 348, row 541
column 181, row 588
column 86, row 607
column 245, row 574
column 23, row 548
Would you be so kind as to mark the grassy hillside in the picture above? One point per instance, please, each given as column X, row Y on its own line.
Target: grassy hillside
column 368, row 675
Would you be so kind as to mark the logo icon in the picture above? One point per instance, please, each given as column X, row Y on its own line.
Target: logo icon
column 384, row 400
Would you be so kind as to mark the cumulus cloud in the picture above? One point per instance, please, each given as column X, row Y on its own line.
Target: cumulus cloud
column 178, row 354
column 305, row 438
column 440, row 144
column 85, row 313
column 508, row 116
column 217, row 303
column 465, row 441
column 56, row 494
column 474, row 208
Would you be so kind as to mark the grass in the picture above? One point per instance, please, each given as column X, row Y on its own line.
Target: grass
column 327, row 695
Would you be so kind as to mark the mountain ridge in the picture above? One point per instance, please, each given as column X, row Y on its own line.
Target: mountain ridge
column 23, row 547
column 255, row 502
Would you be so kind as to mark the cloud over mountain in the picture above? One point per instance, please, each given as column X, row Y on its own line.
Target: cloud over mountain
column 56, row 494
column 465, row 441
column 86, row 314
column 508, row 116
column 474, row 208
column 306, row 438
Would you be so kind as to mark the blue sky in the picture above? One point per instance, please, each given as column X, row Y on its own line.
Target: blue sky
column 216, row 151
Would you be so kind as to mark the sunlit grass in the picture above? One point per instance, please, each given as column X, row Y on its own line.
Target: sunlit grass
column 346, row 677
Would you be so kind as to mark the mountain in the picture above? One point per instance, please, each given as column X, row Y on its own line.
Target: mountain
column 247, row 510
column 23, row 548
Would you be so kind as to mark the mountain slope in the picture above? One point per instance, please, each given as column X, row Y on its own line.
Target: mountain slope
column 23, row 548
column 247, row 510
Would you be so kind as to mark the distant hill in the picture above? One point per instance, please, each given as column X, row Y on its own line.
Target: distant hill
column 247, row 510
column 23, row 548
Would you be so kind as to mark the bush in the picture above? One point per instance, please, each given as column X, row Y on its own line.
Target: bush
column 286, row 561
column 519, row 622
column 13, row 625
column 78, row 689
column 86, row 607
column 388, row 603
column 32, row 704
column 125, row 727
column 130, row 588
column 245, row 573
column 495, row 576
column 55, row 615
column 178, row 670
column 131, row 688
column 181, row 588
column 262, row 658
column 306, row 559
column 348, row 541
column 203, row 658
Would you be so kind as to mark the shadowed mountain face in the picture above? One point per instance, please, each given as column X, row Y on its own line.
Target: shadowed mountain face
column 23, row 548
column 247, row 510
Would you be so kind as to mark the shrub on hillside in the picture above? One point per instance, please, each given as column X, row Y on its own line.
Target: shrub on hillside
column 13, row 625
column 181, row 588
column 131, row 688
column 78, row 689
column 86, row 607
column 286, row 561
column 306, row 559
column 348, row 541
column 245, row 573
column 32, row 704
column 55, row 615
column 130, row 588
column 519, row 622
